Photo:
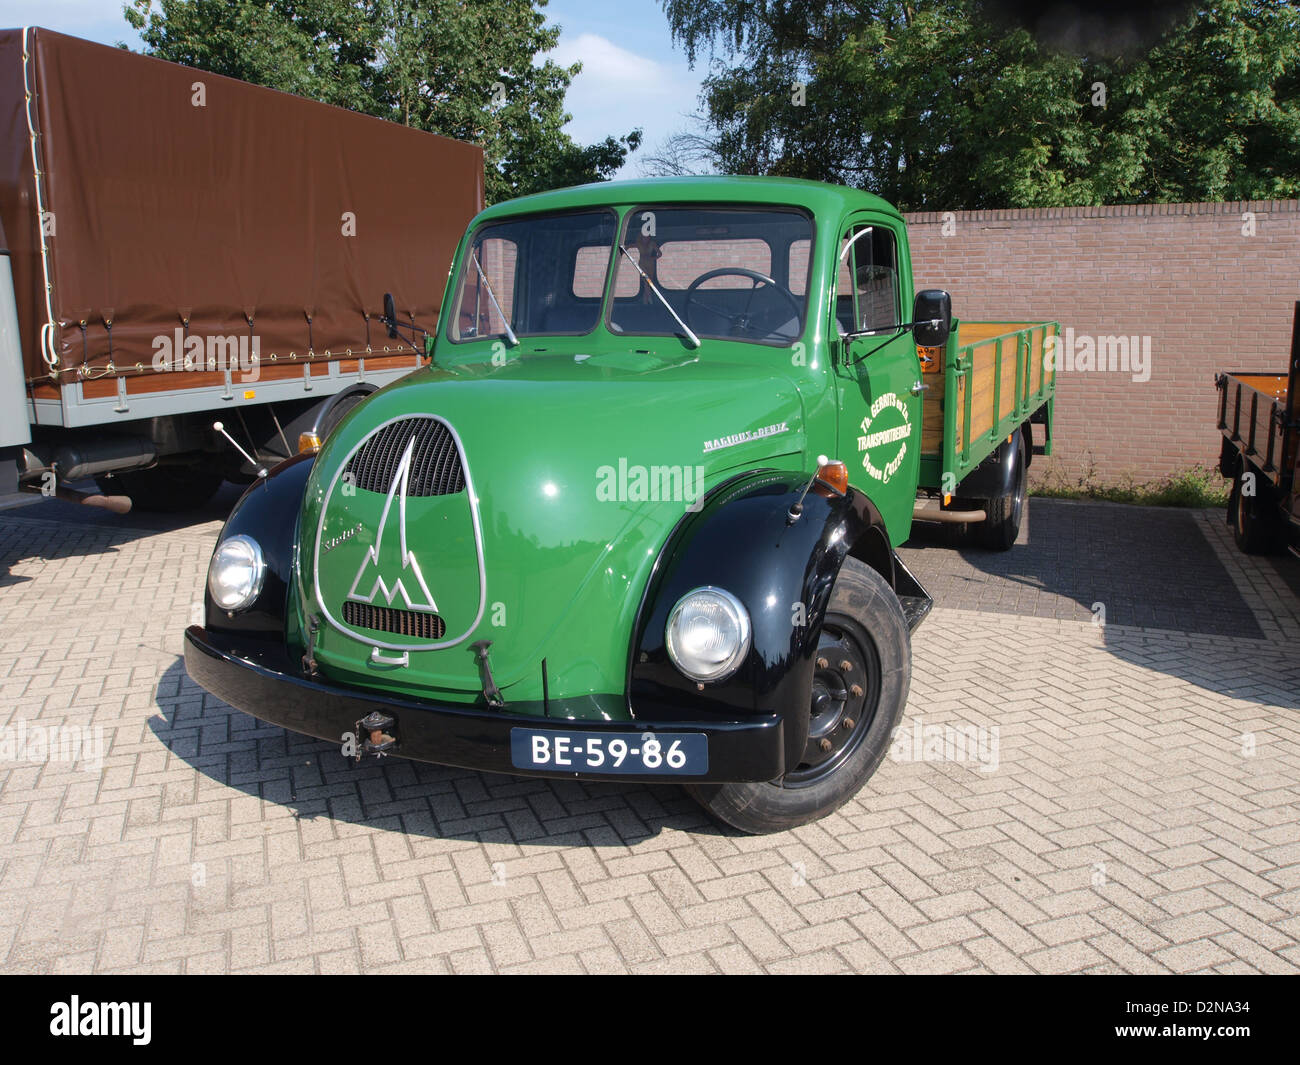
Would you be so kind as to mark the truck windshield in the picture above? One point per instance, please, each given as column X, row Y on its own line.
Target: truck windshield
column 728, row 273
column 544, row 275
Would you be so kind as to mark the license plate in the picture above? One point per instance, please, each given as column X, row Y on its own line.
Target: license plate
column 659, row 753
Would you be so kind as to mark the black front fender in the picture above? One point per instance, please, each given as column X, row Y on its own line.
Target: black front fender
column 268, row 512
column 743, row 541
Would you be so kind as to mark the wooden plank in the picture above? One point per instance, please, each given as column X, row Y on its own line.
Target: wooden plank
column 1036, row 360
column 1272, row 385
column 932, row 415
column 977, row 332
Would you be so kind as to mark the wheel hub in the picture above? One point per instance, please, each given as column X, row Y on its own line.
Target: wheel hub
column 844, row 690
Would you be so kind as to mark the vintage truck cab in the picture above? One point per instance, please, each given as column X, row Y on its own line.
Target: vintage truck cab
column 637, row 516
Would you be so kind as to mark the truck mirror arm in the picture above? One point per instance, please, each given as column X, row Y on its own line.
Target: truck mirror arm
column 389, row 320
column 896, row 331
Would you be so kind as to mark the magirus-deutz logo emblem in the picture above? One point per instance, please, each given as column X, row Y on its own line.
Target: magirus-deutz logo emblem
column 379, row 557
column 369, row 582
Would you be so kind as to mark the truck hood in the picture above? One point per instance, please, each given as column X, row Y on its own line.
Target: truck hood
column 523, row 504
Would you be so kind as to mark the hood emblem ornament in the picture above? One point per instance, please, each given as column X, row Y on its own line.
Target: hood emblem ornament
column 369, row 582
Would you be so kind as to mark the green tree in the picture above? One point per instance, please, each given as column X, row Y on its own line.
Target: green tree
column 934, row 105
column 468, row 71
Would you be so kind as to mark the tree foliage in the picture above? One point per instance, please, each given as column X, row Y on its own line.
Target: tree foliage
column 939, row 104
column 469, row 71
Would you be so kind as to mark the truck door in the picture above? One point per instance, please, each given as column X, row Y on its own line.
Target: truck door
column 877, row 372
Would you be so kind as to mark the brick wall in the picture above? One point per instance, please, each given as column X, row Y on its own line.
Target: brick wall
column 1209, row 297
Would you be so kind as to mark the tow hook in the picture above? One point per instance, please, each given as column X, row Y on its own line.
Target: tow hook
column 309, row 657
column 378, row 729
column 490, row 690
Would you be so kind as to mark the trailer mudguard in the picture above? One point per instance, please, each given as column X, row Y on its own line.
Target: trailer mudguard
column 268, row 512
column 996, row 475
column 782, row 569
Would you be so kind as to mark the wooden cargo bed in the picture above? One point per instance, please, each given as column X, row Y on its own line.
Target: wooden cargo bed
column 989, row 379
column 1253, row 417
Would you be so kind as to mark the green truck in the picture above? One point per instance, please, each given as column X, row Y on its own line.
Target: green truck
column 636, row 518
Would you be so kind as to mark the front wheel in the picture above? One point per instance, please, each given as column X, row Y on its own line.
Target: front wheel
column 859, row 689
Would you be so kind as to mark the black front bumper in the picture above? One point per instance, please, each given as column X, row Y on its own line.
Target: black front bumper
column 264, row 682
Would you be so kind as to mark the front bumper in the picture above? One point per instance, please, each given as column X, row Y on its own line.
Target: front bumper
column 264, row 682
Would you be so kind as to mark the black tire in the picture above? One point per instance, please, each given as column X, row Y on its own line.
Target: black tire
column 865, row 626
column 1255, row 525
column 339, row 408
column 1006, row 513
column 164, row 489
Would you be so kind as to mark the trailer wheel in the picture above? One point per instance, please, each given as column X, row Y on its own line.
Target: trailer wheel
column 854, row 711
column 164, row 489
column 1006, row 513
column 1255, row 527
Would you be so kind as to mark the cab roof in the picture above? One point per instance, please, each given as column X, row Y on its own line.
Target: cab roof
column 818, row 197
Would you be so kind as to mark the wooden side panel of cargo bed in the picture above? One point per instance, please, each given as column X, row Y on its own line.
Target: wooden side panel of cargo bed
column 1036, row 339
column 984, row 359
column 932, row 403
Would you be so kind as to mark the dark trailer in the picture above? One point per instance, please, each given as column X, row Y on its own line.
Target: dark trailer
column 1259, row 417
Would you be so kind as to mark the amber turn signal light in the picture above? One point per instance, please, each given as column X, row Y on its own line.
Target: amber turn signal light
column 834, row 475
column 308, row 442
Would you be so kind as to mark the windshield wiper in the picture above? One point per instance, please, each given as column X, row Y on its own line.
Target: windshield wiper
column 510, row 333
column 662, row 298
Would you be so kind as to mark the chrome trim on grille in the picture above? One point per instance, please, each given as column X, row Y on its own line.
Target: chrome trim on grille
column 472, row 499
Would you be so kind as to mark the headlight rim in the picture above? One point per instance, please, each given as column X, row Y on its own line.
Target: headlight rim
column 259, row 573
column 735, row 660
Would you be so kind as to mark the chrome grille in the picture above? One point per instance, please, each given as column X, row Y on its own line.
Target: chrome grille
column 415, row 623
column 435, row 462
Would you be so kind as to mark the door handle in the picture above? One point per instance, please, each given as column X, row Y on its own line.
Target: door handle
column 920, row 387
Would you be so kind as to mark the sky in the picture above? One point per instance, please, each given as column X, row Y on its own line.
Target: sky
column 632, row 74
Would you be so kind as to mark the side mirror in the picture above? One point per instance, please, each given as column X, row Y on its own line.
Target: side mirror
column 390, row 315
column 932, row 314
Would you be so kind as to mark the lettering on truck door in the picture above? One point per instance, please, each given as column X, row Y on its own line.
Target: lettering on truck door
column 878, row 373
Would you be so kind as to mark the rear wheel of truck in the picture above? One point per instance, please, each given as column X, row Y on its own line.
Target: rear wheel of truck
column 1006, row 512
column 164, row 489
column 1255, row 525
column 859, row 689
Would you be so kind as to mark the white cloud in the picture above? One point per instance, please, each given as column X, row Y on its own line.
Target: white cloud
column 619, row 90
column 95, row 20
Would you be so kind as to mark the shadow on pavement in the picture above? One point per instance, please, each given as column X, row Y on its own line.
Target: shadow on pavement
column 1144, row 567
column 215, row 509
column 53, row 529
column 313, row 779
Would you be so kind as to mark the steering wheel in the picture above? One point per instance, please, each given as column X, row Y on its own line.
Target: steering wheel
column 747, row 322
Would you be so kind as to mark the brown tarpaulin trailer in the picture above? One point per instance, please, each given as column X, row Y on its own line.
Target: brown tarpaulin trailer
column 172, row 198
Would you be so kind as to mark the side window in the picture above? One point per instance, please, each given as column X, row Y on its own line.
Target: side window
column 866, row 294
column 590, row 269
column 797, row 265
column 682, row 261
column 476, row 316
column 627, row 282
column 590, row 266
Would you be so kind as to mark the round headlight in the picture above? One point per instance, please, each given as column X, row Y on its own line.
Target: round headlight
column 708, row 634
column 236, row 572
